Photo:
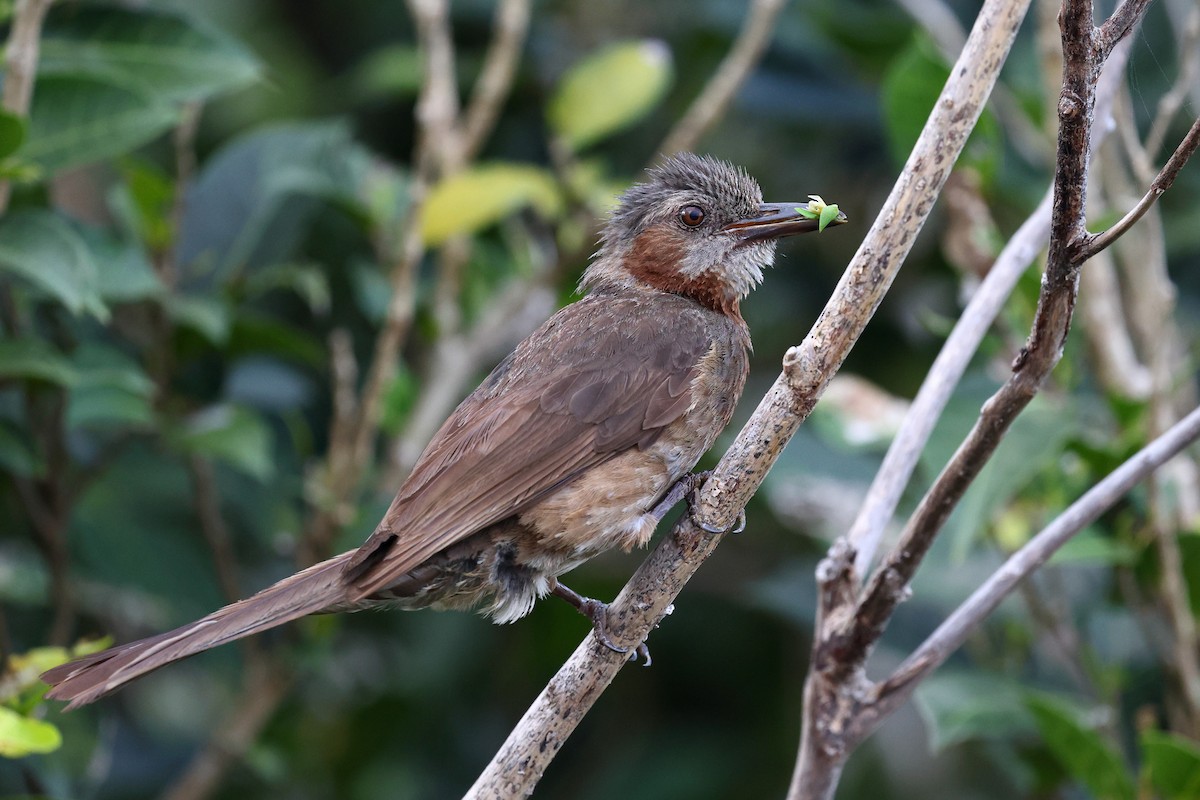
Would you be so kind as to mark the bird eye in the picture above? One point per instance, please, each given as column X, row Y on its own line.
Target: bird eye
column 691, row 215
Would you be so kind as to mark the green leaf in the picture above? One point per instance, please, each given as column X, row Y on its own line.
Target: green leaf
column 966, row 706
column 34, row 359
column 47, row 252
column 1189, row 548
column 1035, row 441
column 388, row 72
column 152, row 196
column 1090, row 546
column 482, row 196
column 12, row 132
column 610, row 90
column 17, row 452
column 153, row 52
column 399, row 399
column 911, row 86
column 124, row 274
column 112, row 390
column 79, row 119
column 828, row 214
column 1085, row 756
column 1172, row 763
column 232, row 434
column 21, row 736
column 207, row 316
column 252, row 203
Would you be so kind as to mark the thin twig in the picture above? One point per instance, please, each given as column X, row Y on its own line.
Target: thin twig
column 951, row 634
column 1035, row 362
column 207, row 499
column 712, row 102
column 1166, row 176
column 947, row 369
column 496, row 76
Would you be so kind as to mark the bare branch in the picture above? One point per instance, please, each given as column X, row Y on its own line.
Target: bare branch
column 947, row 369
column 496, row 75
column 1166, row 176
column 1031, row 367
column 20, row 65
column 712, row 102
column 809, row 367
column 519, row 764
column 951, row 634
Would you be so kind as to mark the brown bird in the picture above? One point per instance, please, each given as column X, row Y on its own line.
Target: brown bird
column 566, row 449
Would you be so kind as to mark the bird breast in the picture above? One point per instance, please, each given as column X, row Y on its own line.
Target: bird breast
column 609, row 505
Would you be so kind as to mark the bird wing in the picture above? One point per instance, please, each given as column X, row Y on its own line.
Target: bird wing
column 603, row 375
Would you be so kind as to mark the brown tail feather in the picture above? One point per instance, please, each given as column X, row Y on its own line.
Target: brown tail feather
column 315, row 589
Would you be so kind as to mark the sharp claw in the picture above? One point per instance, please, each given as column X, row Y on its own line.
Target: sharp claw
column 597, row 612
column 739, row 524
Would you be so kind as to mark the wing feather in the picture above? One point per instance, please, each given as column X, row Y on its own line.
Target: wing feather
column 572, row 396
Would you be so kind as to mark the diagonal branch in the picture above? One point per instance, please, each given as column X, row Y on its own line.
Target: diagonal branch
column 1161, row 183
column 646, row 599
column 888, row 587
column 952, row 633
column 712, row 102
column 496, row 75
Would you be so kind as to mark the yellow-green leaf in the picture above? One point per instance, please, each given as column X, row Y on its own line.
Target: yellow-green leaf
column 479, row 197
column 610, row 90
column 22, row 736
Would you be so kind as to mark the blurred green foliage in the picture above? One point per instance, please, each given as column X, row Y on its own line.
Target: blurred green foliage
column 154, row 328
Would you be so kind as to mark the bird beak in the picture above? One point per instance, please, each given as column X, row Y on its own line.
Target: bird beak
column 774, row 221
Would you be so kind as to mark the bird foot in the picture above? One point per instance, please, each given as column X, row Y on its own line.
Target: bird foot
column 686, row 487
column 597, row 612
column 739, row 524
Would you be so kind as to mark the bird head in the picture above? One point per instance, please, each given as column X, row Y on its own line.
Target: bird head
column 699, row 228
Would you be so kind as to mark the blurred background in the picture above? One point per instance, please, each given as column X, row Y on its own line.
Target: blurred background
column 209, row 244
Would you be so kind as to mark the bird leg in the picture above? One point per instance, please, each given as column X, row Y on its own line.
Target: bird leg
column 686, row 487
column 597, row 612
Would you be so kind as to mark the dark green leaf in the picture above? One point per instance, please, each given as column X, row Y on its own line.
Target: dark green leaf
column 33, row 359
column 79, row 119
column 12, row 132
column 152, row 52
column 124, row 273
column 17, row 452
column 1189, row 548
column 1083, row 753
column 1173, row 764
column 207, row 316
column 253, row 201
column 964, row 706
column 610, row 90
column 111, row 390
column 911, row 86
column 232, row 434
column 47, row 252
